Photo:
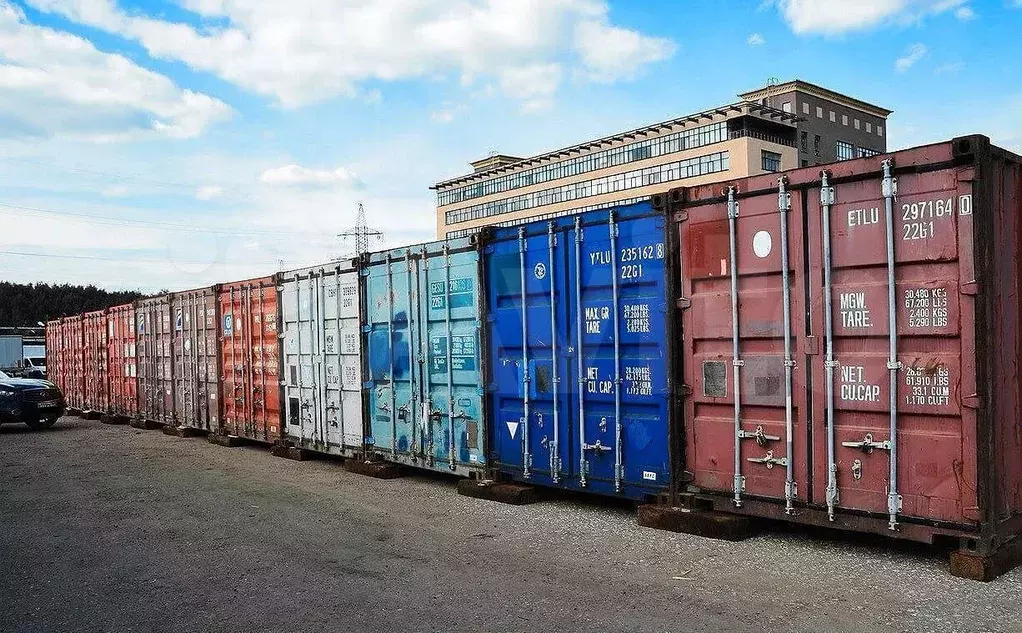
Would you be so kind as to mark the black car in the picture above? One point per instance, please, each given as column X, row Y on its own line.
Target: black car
column 37, row 403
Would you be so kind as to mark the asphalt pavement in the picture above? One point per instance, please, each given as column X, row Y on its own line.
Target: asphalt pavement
column 114, row 529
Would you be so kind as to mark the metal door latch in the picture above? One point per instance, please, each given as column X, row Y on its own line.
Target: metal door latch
column 760, row 437
column 598, row 446
column 867, row 444
column 769, row 460
column 857, row 470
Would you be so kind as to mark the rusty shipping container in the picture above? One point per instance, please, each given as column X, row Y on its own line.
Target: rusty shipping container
column 71, row 376
column 122, row 367
column 249, row 357
column 53, row 351
column 153, row 341
column 195, row 359
column 94, row 361
column 851, row 347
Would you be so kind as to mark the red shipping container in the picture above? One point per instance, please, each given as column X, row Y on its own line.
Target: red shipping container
column 71, row 370
column 122, row 368
column 867, row 320
column 94, row 361
column 53, row 352
column 196, row 359
column 155, row 382
column 250, row 352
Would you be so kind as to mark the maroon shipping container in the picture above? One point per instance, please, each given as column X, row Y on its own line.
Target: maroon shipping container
column 153, row 337
column 250, row 352
column 121, row 362
column 94, row 362
column 196, row 359
column 53, row 352
column 851, row 347
column 71, row 370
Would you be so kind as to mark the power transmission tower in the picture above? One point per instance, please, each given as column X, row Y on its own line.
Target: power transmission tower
column 361, row 232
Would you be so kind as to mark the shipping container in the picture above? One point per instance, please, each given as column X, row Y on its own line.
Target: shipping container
column 122, row 364
column 250, row 368
column 196, row 359
column 322, row 357
column 53, row 351
column 94, row 361
column 424, row 355
column 12, row 353
column 579, row 339
column 153, row 345
column 72, row 367
column 851, row 344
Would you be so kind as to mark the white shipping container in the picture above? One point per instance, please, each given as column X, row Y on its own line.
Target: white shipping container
column 322, row 358
column 12, row 353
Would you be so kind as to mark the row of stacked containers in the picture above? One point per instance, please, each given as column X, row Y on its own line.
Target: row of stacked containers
column 836, row 348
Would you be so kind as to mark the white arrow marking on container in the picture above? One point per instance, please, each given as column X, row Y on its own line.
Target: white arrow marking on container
column 512, row 428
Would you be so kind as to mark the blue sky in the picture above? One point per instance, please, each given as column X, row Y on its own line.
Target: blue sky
column 171, row 144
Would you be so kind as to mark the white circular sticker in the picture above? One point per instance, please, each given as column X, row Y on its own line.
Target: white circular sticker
column 539, row 270
column 762, row 243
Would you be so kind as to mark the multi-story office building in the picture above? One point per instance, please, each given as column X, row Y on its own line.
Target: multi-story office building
column 762, row 133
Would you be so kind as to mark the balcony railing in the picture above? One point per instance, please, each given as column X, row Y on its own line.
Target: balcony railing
column 770, row 138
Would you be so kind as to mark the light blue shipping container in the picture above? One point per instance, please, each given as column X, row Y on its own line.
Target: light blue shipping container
column 580, row 346
column 423, row 345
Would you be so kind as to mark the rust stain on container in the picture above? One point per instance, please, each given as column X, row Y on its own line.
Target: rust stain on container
column 154, row 359
column 195, row 355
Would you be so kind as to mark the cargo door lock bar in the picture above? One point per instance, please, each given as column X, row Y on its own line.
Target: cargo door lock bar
column 616, row 299
column 758, row 435
column 450, row 364
column 827, row 200
column 554, row 446
column 526, row 380
column 784, row 208
column 867, row 445
column 769, row 460
column 889, row 188
column 583, row 447
column 736, row 360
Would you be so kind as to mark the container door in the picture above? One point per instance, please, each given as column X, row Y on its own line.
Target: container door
column 343, row 361
column 907, row 449
column 301, row 406
column 744, row 325
column 399, row 423
column 450, row 341
column 249, row 325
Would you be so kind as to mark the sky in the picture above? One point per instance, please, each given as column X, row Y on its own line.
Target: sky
column 172, row 144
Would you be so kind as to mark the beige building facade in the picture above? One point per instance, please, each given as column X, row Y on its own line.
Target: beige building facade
column 737, row 140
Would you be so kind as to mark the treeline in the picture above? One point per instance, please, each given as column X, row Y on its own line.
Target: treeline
column 25, row 305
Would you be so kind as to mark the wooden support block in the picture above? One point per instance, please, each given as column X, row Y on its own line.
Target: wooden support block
column 707, row 523
column 510, row 493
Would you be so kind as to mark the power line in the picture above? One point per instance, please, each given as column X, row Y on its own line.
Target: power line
column 115, row 221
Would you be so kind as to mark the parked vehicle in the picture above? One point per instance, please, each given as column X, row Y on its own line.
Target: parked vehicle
column 37, row 403
column 34, row 367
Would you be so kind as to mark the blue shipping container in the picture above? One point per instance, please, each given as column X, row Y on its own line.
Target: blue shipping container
column 424, row 358
column 578, row 309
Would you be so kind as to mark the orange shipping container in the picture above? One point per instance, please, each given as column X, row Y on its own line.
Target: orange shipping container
column 121, row 364
column 70, row 368
column 250, row 370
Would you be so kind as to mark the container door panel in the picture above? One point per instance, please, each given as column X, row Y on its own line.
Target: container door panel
column 931, row 222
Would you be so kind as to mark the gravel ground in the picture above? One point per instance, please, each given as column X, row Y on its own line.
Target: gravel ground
column 113, row 529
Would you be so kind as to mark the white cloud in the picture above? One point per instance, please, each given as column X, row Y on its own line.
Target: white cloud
column 54, row 83
column 304, row 51
column 840, row 16
column 965, row 13
column 209, row 192
column 949, row 68
column 534, row 85
column 611, row 53
column 442, row 116
column 914, row 53
column 297, row 176
column 756, row 40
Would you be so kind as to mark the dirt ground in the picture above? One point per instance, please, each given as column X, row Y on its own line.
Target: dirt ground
column 113, row 529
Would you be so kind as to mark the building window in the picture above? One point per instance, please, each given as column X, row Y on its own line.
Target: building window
column 786, row 106
column 805, row 162
column 805, row 141
column 845, row 151
column 844, row 119
column 678, row 170
column 858, row 124
column 880, row 131
column 819, row 112
column 816, row 144
column 833, row 117
column 805, row 107
column 869, row 127
column 771, row 161
column 865, row 152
